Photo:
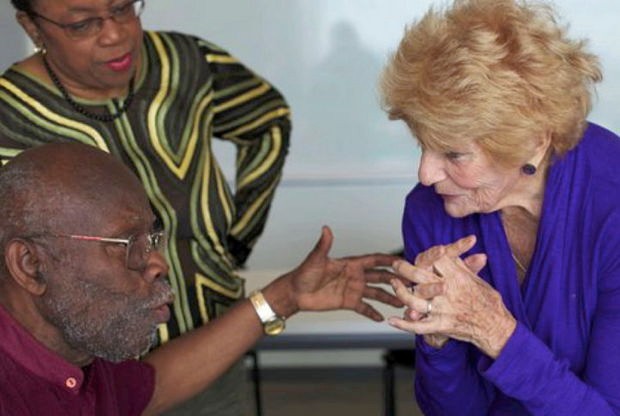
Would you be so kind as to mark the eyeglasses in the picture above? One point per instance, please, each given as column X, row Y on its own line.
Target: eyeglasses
column 138, row 247
column 82, row 29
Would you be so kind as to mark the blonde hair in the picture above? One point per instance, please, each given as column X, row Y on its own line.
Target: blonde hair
column 500, row 72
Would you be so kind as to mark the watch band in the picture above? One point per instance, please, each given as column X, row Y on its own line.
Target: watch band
column 272, row 323
column 262, row 308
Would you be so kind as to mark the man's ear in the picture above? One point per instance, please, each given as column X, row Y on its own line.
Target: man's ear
column 22, row 259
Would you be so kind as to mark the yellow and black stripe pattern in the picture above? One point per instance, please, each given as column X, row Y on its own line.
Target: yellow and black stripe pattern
column 187, row 92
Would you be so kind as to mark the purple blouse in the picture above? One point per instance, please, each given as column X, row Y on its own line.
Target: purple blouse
column 564, row 356
column 36, row 381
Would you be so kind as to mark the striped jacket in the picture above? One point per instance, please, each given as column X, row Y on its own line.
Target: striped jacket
column 186, row 92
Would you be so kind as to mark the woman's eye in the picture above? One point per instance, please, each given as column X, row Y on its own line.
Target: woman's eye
column 454, row 155
column 81, row 26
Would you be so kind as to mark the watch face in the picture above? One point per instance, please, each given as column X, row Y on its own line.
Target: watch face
column 274, row 326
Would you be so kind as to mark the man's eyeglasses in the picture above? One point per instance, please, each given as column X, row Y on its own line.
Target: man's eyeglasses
column 138, row 247
column 86, row 28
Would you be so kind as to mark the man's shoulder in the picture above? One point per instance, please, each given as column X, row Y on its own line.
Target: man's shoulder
column 130, row 382
column 124, row 369
column 114, row 388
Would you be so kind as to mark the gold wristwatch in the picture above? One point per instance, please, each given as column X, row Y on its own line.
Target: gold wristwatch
column 272, row 323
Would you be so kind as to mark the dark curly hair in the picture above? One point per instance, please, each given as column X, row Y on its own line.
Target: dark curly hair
column 23, row 5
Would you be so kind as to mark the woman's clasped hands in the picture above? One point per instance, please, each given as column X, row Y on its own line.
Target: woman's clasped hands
column 447, row 299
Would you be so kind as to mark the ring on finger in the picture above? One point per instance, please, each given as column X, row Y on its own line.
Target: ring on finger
column 429, row 307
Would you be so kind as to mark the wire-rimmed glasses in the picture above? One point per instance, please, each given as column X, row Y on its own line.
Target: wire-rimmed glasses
column 138, row 247
column 86, row 28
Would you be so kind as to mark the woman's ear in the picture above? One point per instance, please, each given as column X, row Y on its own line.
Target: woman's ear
column 542, row 149
column 31, row 29
column 22, row 259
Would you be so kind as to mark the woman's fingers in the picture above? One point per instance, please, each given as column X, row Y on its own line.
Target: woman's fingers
column 453, row 250
column 411, row 299
column 476, row 262
column 420, row 327
column 430, row 290
column 460, row 246
column 452, row 268
column 413, row 273
column 426, row 258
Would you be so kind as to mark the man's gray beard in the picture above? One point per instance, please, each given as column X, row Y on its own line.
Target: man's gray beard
column 116, row 335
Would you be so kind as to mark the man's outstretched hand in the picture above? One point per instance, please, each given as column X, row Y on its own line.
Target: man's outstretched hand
column 321, row 283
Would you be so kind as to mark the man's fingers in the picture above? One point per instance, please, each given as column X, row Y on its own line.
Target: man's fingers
column 322, row 247
column 378, row 276
column 368, row 311
column 383, row 296
column 370, row 261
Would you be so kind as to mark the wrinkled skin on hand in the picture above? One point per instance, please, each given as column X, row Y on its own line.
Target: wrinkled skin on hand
column 464, row 306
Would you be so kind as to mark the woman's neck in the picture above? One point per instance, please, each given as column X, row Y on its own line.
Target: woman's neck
column 34, row 65
column 526, row 199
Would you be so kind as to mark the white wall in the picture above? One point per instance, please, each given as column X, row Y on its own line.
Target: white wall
column 348, row 167
column 12, row 41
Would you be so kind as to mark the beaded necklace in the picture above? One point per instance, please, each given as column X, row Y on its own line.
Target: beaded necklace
column 80, row 109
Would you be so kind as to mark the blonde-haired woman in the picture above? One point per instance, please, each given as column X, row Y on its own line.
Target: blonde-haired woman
column 513, row 228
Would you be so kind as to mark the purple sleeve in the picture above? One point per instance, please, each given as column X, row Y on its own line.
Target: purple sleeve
column 528, row 371
column 447, row 381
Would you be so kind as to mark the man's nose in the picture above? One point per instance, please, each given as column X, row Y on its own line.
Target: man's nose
column 156, row 266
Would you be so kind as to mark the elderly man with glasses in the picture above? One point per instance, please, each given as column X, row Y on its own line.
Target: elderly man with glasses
column 82, row 291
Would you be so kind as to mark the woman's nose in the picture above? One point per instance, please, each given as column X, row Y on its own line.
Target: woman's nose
column 431, row 168
column 111, row 31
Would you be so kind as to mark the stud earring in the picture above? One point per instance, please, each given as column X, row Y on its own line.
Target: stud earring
column 528, row 169
column 40, row 49
column 39, row 46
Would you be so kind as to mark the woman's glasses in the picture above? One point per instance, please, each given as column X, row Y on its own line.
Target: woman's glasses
column 86, row 28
